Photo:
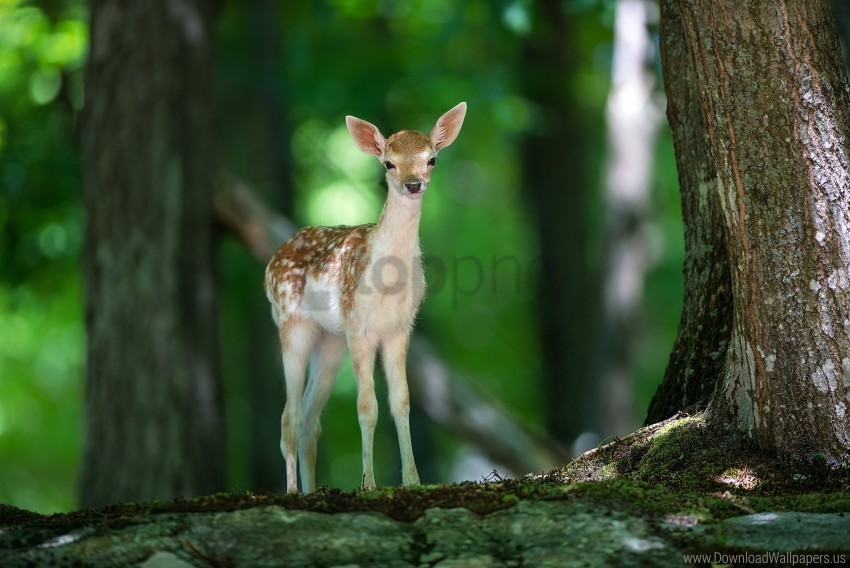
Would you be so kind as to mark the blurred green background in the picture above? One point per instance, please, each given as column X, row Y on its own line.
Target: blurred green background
column 286, row 75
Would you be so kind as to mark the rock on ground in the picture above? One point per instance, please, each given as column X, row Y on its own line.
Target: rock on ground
column 532, row 533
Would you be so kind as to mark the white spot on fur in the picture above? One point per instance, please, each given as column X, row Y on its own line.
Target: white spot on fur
column 814, row 286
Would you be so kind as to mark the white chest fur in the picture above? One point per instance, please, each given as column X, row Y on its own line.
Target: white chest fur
column 390, row 290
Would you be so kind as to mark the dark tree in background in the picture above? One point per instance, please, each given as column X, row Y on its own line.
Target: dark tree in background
column 775, row 103
column 558, row 182
column 153, row 412
column 267, row 471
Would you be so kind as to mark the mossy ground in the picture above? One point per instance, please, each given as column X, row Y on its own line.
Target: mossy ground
column 679, row 471
column 684, row 467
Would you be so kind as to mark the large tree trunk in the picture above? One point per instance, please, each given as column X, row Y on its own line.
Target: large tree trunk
column 153, row 415
column 698, row 359
column 776, row 106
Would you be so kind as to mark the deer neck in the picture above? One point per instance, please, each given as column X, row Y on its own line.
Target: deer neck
column 397, row 230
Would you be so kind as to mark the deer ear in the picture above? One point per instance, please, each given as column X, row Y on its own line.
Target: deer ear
column 448, row 127
column 366, row 135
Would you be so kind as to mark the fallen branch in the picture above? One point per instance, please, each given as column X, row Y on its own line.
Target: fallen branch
column 457, row 405
column 258, row 227
column 444, row 395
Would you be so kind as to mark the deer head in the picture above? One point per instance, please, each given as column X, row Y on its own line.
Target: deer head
column 408, row 156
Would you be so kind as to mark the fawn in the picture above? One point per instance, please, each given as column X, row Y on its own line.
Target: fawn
column 360, row 287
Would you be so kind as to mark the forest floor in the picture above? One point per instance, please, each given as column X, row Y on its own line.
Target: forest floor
column 669, row 490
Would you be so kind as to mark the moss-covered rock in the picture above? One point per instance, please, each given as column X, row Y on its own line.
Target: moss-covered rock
column 669, row 489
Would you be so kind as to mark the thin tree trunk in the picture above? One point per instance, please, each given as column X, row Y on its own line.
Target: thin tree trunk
column 698, row 359
column 266, row 397
column 154, row 427
column 632, row 120
column 776, row 102
column 557, row 182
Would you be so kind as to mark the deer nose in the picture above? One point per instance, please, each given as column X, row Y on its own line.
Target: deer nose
column 413, row 186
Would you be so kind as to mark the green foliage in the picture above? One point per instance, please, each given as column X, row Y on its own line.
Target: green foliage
column 41, row 327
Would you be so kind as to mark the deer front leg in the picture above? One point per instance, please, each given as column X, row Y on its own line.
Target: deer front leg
column 363, row 360
column 394, row 354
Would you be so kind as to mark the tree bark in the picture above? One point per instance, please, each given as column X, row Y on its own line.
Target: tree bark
column 776, row 106
column 154, row 427
column 698, row 359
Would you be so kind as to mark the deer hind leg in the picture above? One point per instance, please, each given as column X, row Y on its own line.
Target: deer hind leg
column 363, row 360
column 296, row 341
column 394, row 356
column 324, row 366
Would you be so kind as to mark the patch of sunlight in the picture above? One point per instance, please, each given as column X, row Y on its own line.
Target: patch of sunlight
column 517, row 17
column 641, row 544
column 682, row 520
column 53, row 241
column 60, row 541
column 28, row 28
column 762, row 518
column 343, row 154
column 66, row 45
column 23, row 26
column 739, row 478
column 44, row 84
column 342, row 203
column 673, row 424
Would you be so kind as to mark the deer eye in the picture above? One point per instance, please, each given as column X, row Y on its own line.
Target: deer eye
column 389, row 165
column 432, row 161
